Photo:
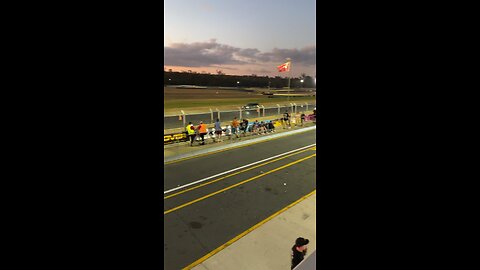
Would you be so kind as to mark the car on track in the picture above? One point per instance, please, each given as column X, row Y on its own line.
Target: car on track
column 251, row 106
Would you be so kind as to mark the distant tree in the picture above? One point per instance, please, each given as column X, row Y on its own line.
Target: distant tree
column 178, row 78
column 309, row 82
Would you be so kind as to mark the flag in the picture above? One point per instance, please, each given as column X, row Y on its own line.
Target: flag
column 284, row 67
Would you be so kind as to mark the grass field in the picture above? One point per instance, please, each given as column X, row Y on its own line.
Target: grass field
column 202, row 99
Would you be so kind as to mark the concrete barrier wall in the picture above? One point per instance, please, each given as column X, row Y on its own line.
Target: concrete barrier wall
column 308, row 263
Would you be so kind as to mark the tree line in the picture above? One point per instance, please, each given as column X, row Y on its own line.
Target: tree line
column 223, row 80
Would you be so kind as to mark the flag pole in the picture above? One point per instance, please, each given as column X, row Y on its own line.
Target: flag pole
column 289, row 68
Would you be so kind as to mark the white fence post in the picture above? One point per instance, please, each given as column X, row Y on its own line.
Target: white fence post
column 218, row 113
column 184, row 120
column 263, row 110
column 278, row 105
column 211, row 116
column 240, row 109
column 307, row 106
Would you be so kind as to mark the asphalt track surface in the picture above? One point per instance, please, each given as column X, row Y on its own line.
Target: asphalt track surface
column 201, row 217
column 170, row 122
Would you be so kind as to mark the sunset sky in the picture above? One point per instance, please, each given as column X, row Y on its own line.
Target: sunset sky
column 240, row 37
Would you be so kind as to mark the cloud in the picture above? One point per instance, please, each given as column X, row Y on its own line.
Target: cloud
column 305, row 56
column 200, row 54
column 212, row 53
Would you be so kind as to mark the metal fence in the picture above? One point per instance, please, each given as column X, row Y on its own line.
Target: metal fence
column 180, row 120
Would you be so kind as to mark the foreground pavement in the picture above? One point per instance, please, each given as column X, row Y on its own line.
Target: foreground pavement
column 269, row 245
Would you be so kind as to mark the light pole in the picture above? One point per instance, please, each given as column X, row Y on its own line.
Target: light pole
column 301, row 82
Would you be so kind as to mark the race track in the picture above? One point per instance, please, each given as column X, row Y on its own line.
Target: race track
column 230, row 194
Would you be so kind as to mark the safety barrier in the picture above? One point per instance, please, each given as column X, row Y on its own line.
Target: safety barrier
column 182, row 118
column 227, row 131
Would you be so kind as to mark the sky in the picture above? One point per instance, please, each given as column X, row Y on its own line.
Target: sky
column 240, row 37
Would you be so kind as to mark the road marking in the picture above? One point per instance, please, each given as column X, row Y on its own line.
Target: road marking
column 226, row 176
column 230, row 148
column 237, row 184
column 236, row 238
column 239, row 168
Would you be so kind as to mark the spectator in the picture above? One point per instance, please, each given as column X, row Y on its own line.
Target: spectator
column 286, row 118
column 302, row 118
column 315, row 115
column 270, row 127
column 260, row 128
column 299, row 250
column 255, row 127
column 218, row 131
column 242, row 126
column 191, row 132
column 228, row 131
column 245, row 125
column 294, row 120
column 202, row 131
column 263, row 128
column 235, row 125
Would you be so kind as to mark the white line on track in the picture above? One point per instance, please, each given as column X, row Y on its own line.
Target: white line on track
column 236, row 169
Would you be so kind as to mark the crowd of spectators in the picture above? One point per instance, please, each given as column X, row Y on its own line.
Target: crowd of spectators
column 242, row 128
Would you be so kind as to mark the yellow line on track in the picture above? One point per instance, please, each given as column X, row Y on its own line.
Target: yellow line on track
column 235, row 147
column 237, row 184
column 236, row 238
column 226, row 176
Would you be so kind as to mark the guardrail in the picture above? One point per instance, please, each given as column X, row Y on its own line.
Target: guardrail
column 182, row 118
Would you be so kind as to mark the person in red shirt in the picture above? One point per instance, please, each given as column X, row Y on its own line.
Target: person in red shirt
column 235, row 125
